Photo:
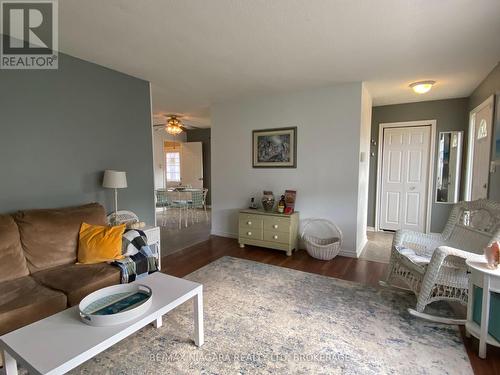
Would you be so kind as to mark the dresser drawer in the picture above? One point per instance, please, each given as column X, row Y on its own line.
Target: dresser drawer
column 278, row 237
column 251, row 221
column 277, row 224
column 254, row 233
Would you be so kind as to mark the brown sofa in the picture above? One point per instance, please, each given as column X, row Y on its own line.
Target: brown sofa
column 38, row 271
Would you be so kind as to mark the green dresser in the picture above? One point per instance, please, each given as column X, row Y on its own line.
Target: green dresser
column 268, row 229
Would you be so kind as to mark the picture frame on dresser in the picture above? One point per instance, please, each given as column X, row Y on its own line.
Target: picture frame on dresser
column 274, row 148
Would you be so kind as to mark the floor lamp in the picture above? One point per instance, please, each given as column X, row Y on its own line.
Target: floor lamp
column 115, row 180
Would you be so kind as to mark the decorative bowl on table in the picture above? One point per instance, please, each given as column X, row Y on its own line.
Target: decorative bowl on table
column 115, row 304
column 492, row 255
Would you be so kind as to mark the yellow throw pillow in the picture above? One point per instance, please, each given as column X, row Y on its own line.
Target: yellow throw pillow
column 99, row 244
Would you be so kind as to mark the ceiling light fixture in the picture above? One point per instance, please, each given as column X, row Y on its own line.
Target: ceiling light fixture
column 174, row 126
column 422, row 87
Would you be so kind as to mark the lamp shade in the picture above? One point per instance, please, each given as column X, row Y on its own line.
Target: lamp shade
column 114, row 179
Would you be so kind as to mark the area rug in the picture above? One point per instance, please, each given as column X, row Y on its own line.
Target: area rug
column 262, row 319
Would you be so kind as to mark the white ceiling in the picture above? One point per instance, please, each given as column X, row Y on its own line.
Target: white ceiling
column 197, row 52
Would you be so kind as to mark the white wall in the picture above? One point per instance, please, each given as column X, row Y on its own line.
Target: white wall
column 364, row 168
column 159, row 137
column 327, row 173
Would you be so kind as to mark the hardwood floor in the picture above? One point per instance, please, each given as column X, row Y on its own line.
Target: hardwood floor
column 363, row 271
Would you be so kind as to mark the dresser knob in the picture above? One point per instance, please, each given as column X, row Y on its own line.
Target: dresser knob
column 275, row 226
column 275, row 237
column 249, row 233
column 249, row 223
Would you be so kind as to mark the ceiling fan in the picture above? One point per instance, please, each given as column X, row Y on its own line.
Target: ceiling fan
column 175, row 124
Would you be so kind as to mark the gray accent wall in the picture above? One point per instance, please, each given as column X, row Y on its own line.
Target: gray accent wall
column 203, row 136
column 488, row 87
column 61, row 129
column 451, row 114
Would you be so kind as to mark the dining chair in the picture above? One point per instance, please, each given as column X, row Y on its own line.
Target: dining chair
column 180, row 202
column 195, row 203
column 162, row 201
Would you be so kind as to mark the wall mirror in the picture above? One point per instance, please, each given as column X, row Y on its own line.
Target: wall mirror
column 449, row 162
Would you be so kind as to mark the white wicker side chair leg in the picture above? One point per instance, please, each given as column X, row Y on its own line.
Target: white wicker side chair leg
column 397, row 272
column 387, row 283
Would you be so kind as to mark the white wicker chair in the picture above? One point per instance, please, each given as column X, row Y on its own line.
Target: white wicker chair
column 433, row 265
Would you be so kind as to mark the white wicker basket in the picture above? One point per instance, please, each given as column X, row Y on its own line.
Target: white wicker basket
column 322, row 238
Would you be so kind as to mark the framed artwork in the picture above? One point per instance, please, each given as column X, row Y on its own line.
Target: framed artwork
column 275, row 148
column 497, row 129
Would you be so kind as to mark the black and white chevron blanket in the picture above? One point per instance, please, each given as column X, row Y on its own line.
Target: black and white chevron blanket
column 139, row 260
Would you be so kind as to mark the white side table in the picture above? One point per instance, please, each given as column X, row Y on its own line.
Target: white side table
column 153, row 235
column 489, row 280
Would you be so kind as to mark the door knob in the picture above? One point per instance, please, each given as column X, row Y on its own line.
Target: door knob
column 275, row 237
column 249, row 222
column 249, row 233
column 275, row 226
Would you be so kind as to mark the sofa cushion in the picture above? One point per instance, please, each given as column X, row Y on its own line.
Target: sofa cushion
column 79, row 280
column 13, row 263
column 50, row 237
column 24, row 301
column 98, row 244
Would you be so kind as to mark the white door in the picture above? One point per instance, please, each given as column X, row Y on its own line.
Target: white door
column 405, row 174
column 481, row 125
column 192, row 164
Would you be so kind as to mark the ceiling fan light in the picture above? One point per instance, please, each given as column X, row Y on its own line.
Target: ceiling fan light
column 173, row 126
column 422, row 87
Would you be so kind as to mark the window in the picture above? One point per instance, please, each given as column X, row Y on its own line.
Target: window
column 173, row 166
column 483, row 129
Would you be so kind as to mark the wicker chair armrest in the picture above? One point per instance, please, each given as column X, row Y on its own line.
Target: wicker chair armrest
column 447, row 267
column 442, row 252
column 449, row 257
column 422, row 243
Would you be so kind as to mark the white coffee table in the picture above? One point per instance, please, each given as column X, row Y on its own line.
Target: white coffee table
column 61, row 342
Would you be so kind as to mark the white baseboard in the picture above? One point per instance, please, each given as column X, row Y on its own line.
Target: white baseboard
column 343, row 252
column 370, row 229
column 348, row 253
column 360, row 248
column 223, row 234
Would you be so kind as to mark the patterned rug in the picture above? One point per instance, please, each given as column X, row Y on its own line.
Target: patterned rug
column 262, row 319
